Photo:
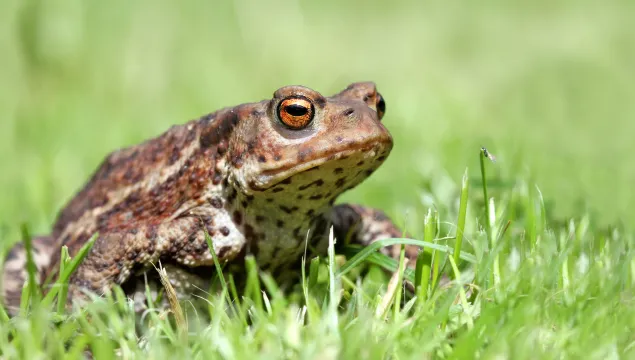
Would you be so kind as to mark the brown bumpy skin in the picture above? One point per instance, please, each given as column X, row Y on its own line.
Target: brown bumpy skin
column 260, row 178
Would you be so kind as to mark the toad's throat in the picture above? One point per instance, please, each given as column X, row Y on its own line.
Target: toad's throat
column 269, row 178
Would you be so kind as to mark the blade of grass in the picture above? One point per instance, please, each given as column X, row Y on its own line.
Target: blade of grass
column 462, row 295
column 65, row 276
column 334, row 286
column 422, row 278
column 460, row 228
column 402, row 264
column 219, row 272
column 483, row 154
column 253, row 288
column 360, row 256
column 422, row 272
column 65, row 258
column 33, row 288
column 179, row 317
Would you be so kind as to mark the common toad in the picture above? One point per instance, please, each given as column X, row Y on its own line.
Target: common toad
column 260, row 178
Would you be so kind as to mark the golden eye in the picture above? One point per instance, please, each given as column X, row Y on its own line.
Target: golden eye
column 296, row 112
column 381, row 106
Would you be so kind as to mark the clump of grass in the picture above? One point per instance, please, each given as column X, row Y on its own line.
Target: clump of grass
column 507, row 281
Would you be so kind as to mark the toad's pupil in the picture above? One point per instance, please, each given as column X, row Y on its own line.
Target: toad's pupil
column 296, row 110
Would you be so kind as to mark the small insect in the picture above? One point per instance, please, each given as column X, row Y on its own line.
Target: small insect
column 488, row 154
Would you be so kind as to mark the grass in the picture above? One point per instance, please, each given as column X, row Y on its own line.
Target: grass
column 566, row 291
column 546, row 265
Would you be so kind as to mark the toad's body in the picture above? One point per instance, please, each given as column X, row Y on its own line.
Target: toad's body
column 257, row 177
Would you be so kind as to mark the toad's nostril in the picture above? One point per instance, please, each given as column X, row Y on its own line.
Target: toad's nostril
column 348, row 112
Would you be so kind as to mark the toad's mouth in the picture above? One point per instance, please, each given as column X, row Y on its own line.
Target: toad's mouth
column 269, row 178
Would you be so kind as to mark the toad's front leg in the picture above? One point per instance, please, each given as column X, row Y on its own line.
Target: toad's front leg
column 363, row 225
column 117, row 254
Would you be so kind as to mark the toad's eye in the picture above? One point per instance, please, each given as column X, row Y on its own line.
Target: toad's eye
column 381, row 106
column 296, row 112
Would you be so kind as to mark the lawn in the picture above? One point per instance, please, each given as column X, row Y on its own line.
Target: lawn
column 547, row 87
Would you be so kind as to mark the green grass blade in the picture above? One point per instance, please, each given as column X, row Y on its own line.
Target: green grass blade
column 219, row 273
column 65, row 276
column 460, row 227
column 402, row 265
column 34, row 294
column 483, row 154
column 360, row 256
column 253, row 288
column 65, row 258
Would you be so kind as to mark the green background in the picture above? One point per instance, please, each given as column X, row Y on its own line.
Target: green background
column 548, row 87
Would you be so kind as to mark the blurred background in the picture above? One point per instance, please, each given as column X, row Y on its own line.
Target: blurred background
column 548, row 87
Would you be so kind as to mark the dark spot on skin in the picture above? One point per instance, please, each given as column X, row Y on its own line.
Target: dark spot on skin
column 222, row 252
column 347, row 156
column 278, row 189
column 237, row 217
column 277, row 157
column 313, row 169
column 262, row 158
column 150, row 248
column 275, row 253
column 288, row 210
column 328, row 195
column 348, row 112
column 269, row 200
column 251, row 146
column 244, row 203
column 250, row 198
column 340, row 182
column 280, row 223
column 320, row 102
column 224, row 230
column 216, row 202
column 315, row 197
column 219, row 129
column 260, row 218
column 338, row 139
column 221, row 149
column 132, row 255
column 296, row 232
column 360, row 163
column 237, row 160
column 286, row 181
column 231, row 196
column 338, row 171
column 252, row 238
column 380, row 216
column 210, row 230
column 175, row 155
column 12, row 255
column 207, row 118
column 318, row 182
column 218, row 178
column 299, row 197
column 381, row 158
column 151, row 233
column 369, row 171
column 302, row 154
column 310, row 212
column 191, row 238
